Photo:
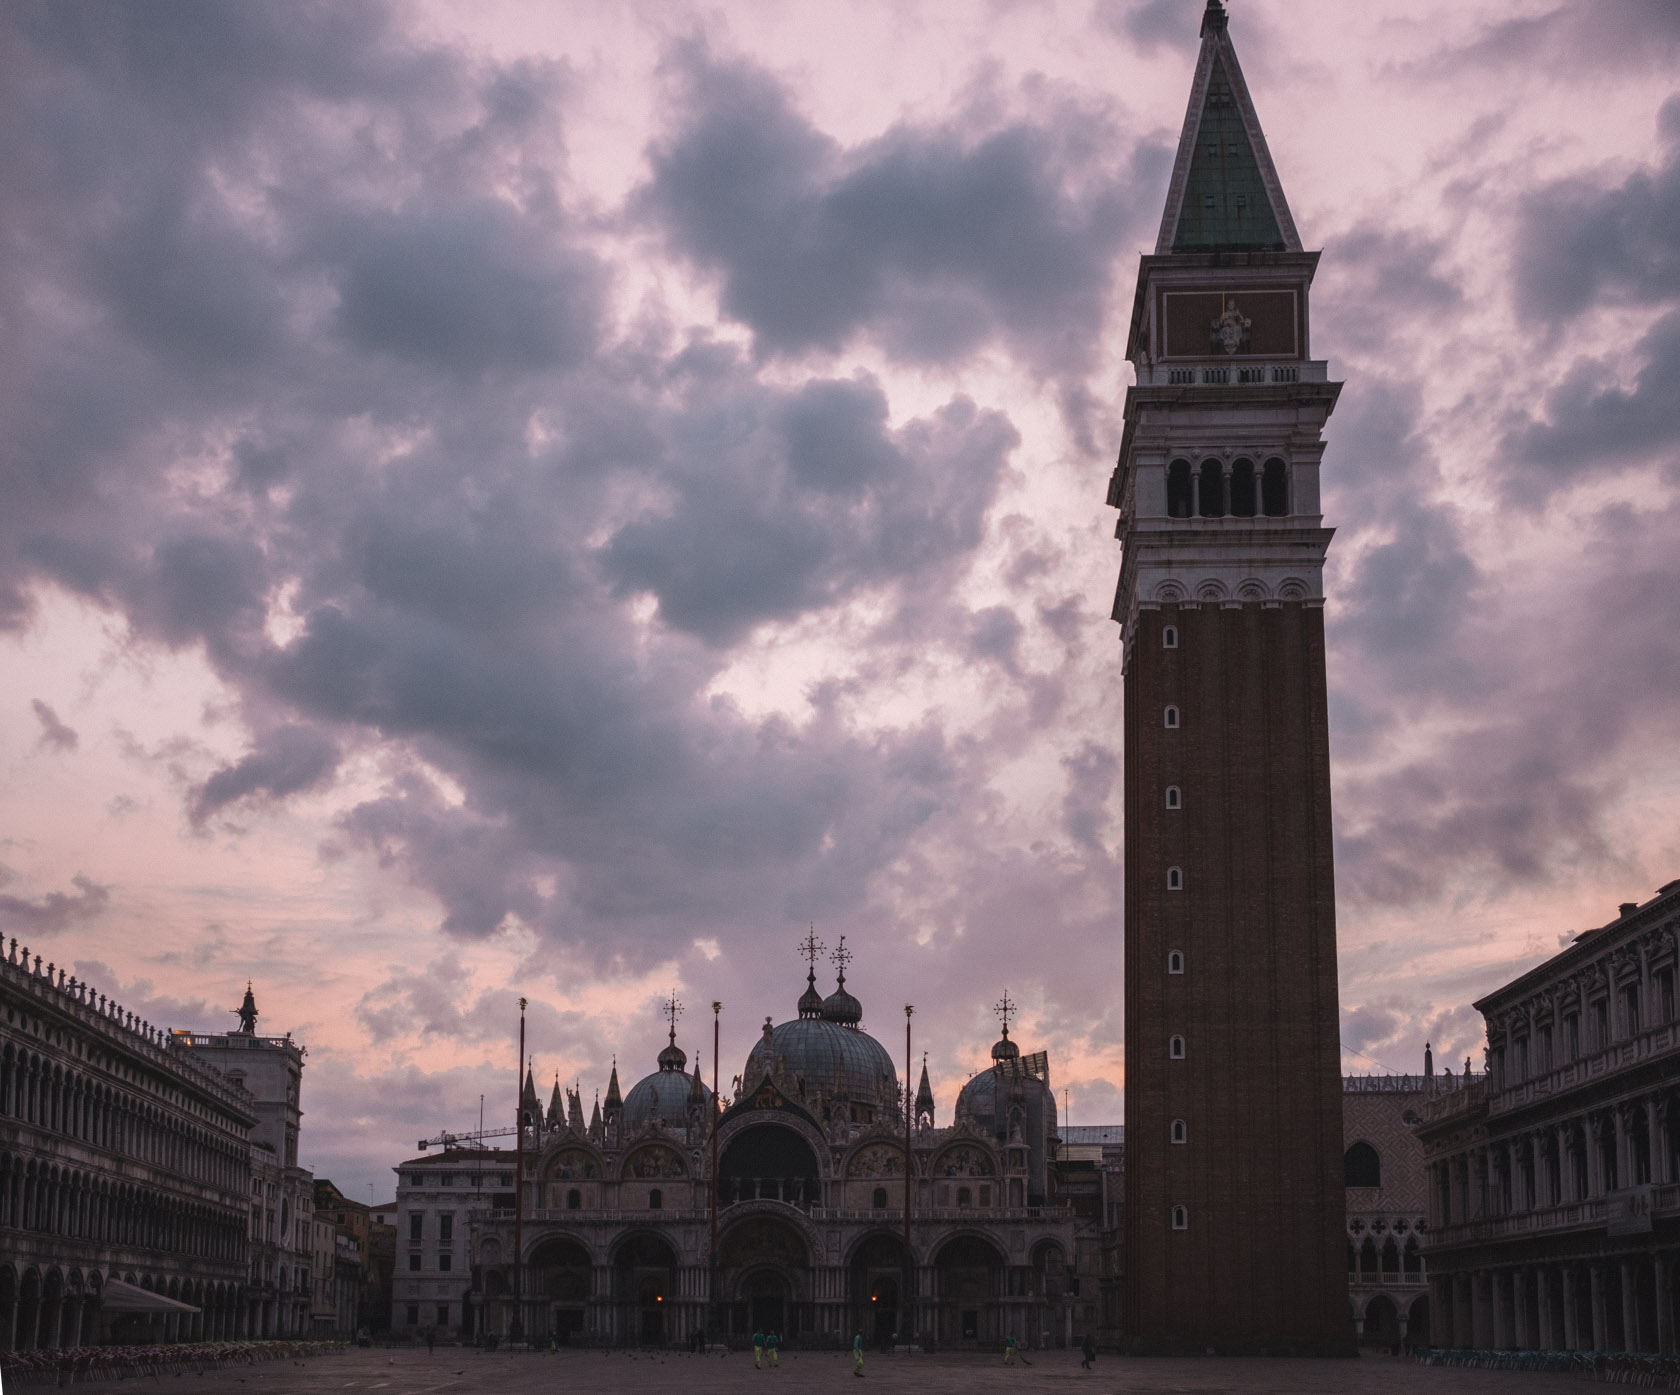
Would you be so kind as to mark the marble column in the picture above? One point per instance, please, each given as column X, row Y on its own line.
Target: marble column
column 1630, row 1307
column 1519, row 1309
column 1600, row 1325
column 1481, row 1310
column 1571, row 1308
column 1543, row 1302
column 1665, row 1303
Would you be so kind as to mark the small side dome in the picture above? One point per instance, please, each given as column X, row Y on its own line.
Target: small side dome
column 840, row 1006
column 1006, row 1050
column 811, row 1001
column 673, row 1057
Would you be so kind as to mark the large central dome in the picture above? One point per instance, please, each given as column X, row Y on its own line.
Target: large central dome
column 824, row 1052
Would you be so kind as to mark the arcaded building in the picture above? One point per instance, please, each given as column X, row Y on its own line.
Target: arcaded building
column 1387, row 1208
column 1554, row 1180
column 125, row 1172
column 663, row 1215
column 1233, row 1075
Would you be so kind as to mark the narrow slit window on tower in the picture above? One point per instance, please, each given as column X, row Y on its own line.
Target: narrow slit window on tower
column 1274, row 488
column 1180, row 1131
column 1180, row 1218
column 1175, row 1049
column 1169, row 637
column 1243, row 499
column 1174, row 799
column 1211, row 490
column 1178, row 489
column 1175, row 961
column 1169, row 718
column 1175, row 879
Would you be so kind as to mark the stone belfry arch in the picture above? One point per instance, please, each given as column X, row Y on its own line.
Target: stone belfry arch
column 1234, row 1197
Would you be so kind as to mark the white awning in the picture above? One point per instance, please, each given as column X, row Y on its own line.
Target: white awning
column 119, row 1297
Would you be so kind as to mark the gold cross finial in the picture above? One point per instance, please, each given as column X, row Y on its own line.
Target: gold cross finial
column 1003, row 1008
column 841, row 957
column 674, row 1009
column 811, row 947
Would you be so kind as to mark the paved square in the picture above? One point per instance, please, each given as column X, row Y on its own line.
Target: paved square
column 467, row 1372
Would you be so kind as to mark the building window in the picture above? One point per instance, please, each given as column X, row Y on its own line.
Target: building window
column 1180, row 1131
column 415, row 1179
column 1169, row 719
column 413, row 1264
column 1175, row 961
column 1178, row 489
column 1175, row 879
column 1361, row 1167
column 1242, row 489
column 415, row 1221
column 443, row 1314
column 965, row 1198
column 1169, row 637
column 1572, row 1035
column 1211, row 490
column 413, row 1314
column 446, row 1262
column 1180, row 1218
column 879, row 1201
column 985, row 1194
column 1175, row 1048
column 574, row 1200
column 656, row 1199
column 1665, row 994
column 1274, row 489
column 1174, row 799
column 1630, row 1009
column 446, row 1228
column 447, row 1180
column 1601, row 1024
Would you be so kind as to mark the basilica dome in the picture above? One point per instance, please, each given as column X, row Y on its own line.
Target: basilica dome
column 665, row 1094
column 825, row 1052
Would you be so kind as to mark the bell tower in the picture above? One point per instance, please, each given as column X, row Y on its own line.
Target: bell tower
column 1235, row 1208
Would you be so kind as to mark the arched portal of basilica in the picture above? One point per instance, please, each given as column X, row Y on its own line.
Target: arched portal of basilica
column 807, row 1206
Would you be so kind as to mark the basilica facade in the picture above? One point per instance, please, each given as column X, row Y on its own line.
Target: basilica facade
column 668, row 1217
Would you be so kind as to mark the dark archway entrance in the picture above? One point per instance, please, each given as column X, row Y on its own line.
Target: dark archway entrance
column 562, row 1272
column 768, row 1162
column 969, row 1274
column 876, row 1283
column 644, row 1281
column 763, row 1268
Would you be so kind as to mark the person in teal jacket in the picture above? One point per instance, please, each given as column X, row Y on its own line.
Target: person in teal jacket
column 773, row 1348
column 758, row 1351
column 857, row 1354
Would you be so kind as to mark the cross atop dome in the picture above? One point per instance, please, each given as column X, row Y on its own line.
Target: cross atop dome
column 840, row 958
column 810, row 1001
column 674, row 1009
column 673, row 1057
column 1003, row 1007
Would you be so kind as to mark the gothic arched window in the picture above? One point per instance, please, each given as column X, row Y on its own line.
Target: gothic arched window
column 1361, row 1167
column 1174, row 799
column 1175, row 1049
column 1180, row 1218
column 1178, row 489
column 1169, row 718
column 1274, row 488
column 1175, row 961
column 1180, row 1131
column 1175, row 879
column 1169, row 637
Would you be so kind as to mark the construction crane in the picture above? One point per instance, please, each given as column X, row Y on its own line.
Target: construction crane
column 450, row 1140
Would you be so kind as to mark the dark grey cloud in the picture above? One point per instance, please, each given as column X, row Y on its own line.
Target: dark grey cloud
column 55, row 735
column 1607, row 34
column 1580, row 243
column 57, row 910
column 1151, row 24
column 285, row 761
column 933, row 241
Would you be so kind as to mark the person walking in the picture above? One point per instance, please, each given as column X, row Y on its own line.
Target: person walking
column 773, row 1346
column 1009, row 1350
column 1088, row 1350
column 857, row 1354
column 431, row 1338
column 758, row 1351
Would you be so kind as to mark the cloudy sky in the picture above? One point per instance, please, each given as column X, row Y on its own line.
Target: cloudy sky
column 505, row 499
